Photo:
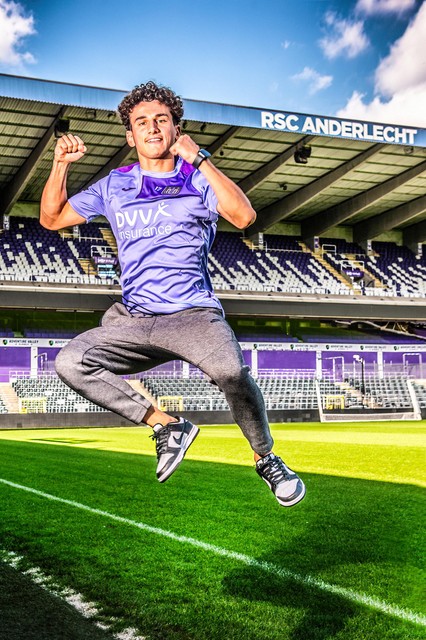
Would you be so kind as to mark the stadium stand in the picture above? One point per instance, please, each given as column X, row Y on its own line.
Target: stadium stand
column 342, row 247
column 401, row 271
column 30, row 253
column 285, row 390
column 292, row 391
column 349, row 393
column 6, row 333
column 420, row 390
column 396, row 269
column 53, row 396
column 197, row 394
column 282, row 265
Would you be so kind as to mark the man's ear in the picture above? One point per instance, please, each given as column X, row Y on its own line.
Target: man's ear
column 178, row 131
column 129, row 138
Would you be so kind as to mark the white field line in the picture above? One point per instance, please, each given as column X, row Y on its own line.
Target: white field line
column 86, row 609
column 306, row 580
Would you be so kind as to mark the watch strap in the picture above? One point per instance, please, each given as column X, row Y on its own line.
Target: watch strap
column 200, row 157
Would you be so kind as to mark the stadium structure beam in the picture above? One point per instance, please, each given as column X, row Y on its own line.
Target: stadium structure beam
column 373, row 227
column 317, row 224
column 264, row 172
column 217, row 145
column 414, row 234
column 283, row 208
column 11, row 192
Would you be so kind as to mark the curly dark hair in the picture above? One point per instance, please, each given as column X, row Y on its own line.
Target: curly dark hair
column 147, row 93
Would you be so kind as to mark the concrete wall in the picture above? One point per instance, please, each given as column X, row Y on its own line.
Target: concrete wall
column 107, row 419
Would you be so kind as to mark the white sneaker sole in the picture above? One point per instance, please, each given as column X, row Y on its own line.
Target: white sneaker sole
column 296, row 500
column 288, row 503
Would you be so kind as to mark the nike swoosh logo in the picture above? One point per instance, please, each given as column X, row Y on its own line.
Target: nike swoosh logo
column 178, row 441
column 127, row 188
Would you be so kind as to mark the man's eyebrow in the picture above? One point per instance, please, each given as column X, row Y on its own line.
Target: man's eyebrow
column 157, row 115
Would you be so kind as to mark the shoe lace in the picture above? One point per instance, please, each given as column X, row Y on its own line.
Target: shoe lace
column 275, row 470
column 161, row 437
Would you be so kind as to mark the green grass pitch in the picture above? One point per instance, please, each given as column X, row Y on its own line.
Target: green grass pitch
column 344, row 564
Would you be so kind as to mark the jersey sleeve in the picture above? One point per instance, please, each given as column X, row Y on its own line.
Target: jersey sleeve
column 208, row 195
column 90, row 203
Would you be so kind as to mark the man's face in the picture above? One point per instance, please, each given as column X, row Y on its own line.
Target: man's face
column 153, row 131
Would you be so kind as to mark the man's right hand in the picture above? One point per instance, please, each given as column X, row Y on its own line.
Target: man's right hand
column 69, row 148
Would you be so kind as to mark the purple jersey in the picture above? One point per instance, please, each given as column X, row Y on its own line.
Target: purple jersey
column 164, row 224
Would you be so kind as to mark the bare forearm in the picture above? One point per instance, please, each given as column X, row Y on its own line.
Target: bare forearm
column 233, row 204
column 54, row 195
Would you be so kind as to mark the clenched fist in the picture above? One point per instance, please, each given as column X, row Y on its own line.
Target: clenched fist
column 185, row 147
column 69, row 148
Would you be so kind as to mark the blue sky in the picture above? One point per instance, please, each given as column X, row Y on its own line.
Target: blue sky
column 354, row 58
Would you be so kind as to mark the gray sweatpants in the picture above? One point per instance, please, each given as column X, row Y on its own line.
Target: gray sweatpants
column 93, row 362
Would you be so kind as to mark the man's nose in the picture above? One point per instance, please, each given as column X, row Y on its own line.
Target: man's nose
column 153, row 126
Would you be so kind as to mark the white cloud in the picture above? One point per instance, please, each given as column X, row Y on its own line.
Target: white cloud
column 346, row 37
column 285, row 44
column 405, row 66
column 400, row 81
column 404, row 108
column 14, row 27
column 317, row 82
column 377, row 7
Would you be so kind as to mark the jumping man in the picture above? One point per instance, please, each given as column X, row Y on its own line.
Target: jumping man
column 163, row 211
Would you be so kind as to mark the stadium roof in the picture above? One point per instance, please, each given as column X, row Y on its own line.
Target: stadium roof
column 369, row 176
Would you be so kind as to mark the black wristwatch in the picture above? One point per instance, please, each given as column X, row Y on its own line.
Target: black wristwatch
column 200, row 157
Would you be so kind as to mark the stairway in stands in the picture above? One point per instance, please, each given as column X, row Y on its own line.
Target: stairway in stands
column 109, row 237
column 9, row 397
column 87, row 266
column 378, row 284
column 336, row 274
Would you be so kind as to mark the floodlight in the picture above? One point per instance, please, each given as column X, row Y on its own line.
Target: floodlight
column 62, row 126
column 302, row 154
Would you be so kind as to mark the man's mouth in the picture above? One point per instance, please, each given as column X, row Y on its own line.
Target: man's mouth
column 154, row 140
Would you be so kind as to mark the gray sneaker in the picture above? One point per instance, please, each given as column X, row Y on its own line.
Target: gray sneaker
column 172, row 442
column 284, row 483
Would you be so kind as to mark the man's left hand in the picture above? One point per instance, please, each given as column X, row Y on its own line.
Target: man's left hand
column 185, row 147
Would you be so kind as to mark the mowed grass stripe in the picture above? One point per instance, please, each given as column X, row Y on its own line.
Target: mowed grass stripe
column 281, row 572
column 386, row 452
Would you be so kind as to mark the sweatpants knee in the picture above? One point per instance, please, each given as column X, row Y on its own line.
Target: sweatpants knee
column 67, row 362
column 233, row 377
